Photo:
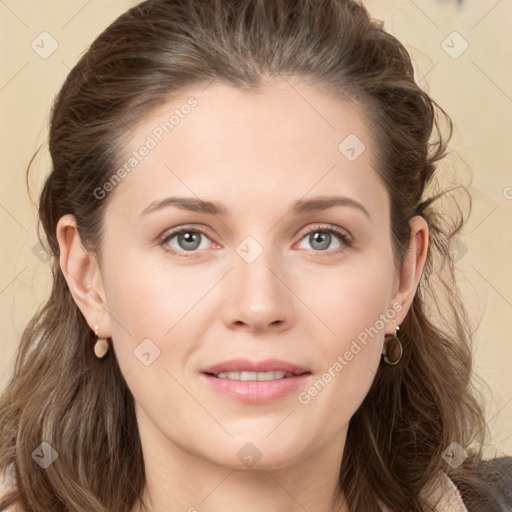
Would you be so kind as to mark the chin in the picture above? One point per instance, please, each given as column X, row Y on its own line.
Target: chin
column 265, row 454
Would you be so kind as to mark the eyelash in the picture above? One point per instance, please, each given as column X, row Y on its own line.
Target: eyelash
column 345, row 239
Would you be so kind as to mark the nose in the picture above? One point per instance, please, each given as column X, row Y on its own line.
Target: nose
column 258, row 295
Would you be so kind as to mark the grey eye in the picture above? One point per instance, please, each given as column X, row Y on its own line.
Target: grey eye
column 186, row 240
column 189, row 241
column 320, row 240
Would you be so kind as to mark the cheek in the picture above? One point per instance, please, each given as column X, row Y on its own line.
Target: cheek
column 151, row 331
column 148, row 299
column 158, row 317
column 350, row 300
column 355, row 307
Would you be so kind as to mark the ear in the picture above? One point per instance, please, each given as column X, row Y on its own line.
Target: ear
column 83, row 276
column 412, row 266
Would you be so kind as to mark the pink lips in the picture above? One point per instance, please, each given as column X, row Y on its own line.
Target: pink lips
column 255, row 392
column 246, row 365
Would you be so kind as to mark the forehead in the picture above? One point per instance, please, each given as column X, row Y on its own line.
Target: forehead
column 288, row 139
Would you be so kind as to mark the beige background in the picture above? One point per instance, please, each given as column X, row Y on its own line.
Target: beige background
column 475, row 88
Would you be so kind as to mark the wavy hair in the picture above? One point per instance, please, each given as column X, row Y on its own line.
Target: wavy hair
column 61, row 394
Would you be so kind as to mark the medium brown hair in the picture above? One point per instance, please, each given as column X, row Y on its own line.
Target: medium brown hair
column 61, row 394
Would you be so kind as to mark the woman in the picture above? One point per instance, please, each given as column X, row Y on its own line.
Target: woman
column 246, row 271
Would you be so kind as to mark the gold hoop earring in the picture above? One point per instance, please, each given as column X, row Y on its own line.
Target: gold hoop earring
column 392, row 355
column 101, row 346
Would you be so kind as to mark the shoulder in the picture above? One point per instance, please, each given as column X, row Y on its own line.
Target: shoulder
column 443, row 496
column 479, row 486
column 487, row 484
column 7, row 487
column 440, row 495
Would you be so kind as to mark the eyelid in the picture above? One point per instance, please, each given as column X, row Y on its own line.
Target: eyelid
column 326, row 227
column 182, row 227
column 344, row 236
column 171, row 233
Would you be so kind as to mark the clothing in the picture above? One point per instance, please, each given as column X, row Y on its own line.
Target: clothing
column 495, row 493
column 7, row 479
column 443, row 495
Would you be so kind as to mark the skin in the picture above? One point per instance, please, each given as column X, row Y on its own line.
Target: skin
column 256, row 153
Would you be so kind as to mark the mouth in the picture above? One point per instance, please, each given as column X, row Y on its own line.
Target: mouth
column 255, row 382
column 256, row 376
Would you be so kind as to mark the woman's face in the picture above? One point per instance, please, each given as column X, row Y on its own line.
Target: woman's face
column 284, row 264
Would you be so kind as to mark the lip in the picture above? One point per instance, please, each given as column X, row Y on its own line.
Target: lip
column 246, row 365
column 255, row 392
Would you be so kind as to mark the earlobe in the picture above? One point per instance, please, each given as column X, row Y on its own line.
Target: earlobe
column 83, row 276
column 413, row 264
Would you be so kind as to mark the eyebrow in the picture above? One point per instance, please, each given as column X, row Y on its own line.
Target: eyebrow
column 214, row 208
column 323, row 203
column 186, row 203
